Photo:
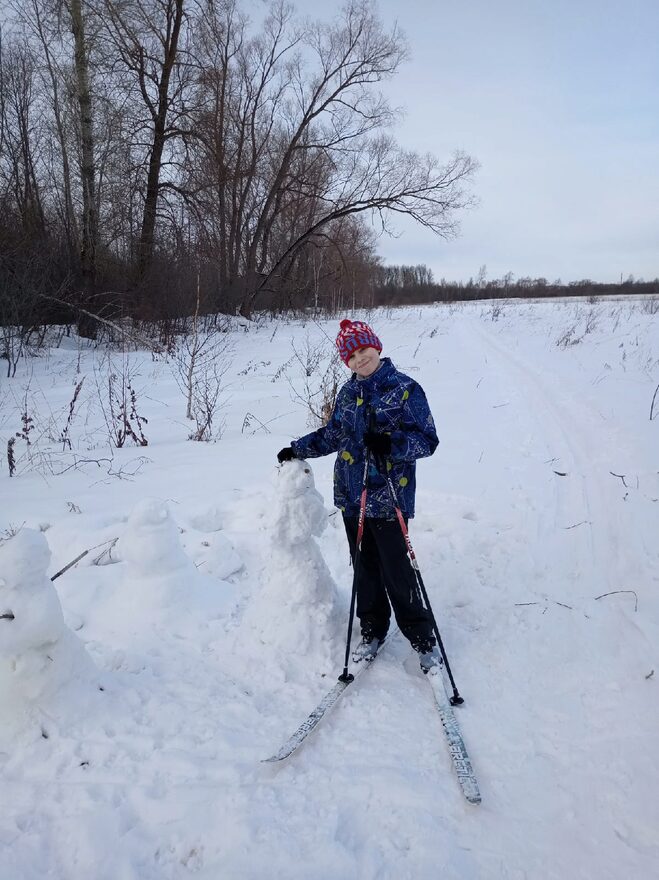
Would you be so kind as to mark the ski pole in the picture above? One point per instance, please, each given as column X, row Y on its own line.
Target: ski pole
column 456, row 699
column 346, row 676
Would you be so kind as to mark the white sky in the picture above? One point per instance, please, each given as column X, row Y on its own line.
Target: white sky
column 559, row 102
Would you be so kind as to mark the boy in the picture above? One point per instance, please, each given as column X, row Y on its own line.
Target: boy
column 386, row 412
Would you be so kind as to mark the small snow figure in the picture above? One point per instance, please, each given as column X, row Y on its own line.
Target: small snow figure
column 161, row 584
column 38, row 653
column 157, row 565
column 150, row 542
column 299, row 598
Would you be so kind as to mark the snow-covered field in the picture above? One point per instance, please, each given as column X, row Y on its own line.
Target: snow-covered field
column 132, row 729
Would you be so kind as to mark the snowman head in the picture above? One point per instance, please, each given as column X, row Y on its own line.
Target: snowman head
column 294, row 478
column 299, row 510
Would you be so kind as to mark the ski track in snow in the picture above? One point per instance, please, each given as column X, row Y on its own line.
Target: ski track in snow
column 160, row 776
column 571, row 433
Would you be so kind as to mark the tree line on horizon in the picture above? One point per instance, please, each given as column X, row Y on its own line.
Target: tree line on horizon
column 396, row 285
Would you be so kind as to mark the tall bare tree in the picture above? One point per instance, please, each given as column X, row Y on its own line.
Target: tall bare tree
column 20, row 139
column 87, row 161
column 47, row 29
column 57, row 32
column 146, row 35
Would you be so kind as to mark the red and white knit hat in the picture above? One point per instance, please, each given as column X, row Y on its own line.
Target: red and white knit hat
column 354, row 335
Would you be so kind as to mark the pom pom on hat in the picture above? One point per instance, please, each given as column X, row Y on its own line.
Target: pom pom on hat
column 354, row 335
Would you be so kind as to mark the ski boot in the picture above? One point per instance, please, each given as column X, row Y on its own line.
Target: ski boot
column 429, row 659
column 366, row 649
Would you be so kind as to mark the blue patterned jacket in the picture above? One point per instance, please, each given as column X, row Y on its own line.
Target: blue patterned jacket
column 401, row 410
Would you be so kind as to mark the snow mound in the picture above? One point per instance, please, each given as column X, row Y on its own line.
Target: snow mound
column 208, row 520
column 213, row 554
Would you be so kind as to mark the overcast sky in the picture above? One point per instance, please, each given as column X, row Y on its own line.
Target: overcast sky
column 559, row 102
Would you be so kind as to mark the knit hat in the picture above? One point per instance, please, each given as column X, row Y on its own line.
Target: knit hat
column 354, row 335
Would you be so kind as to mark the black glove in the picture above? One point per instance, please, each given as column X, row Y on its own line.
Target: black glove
column 379, row 444
column 286, row 454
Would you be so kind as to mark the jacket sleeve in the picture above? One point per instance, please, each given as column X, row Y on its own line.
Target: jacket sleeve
column 416, row 436
column 321, row 442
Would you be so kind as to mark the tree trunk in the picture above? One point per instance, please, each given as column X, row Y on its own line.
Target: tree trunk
column 70, row 223
column 159, row 129
column 87, row 166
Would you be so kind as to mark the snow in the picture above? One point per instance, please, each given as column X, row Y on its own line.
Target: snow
column 142, row 688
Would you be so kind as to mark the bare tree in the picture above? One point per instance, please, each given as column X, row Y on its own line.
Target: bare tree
column 48, row 36
column 294, row 140
column 146, row 35
column 20, row 140
column 58, row 33
column 87, row 160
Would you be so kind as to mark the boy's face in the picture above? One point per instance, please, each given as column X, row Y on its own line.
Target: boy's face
column 364, row 361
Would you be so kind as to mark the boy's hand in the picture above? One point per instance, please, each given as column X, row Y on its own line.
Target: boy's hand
column 286, row 454
column 379, row 444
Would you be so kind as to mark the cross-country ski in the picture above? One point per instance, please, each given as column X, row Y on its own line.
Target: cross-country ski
column 314, row 718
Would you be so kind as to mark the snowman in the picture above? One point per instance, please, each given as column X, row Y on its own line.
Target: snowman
column 157, row 569
column 39, row 654
column 296, row 609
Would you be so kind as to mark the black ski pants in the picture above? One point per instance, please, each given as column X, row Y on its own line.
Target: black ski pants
column 386, row 576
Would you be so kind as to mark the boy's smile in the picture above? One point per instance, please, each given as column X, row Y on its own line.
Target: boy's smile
column 364, row 361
